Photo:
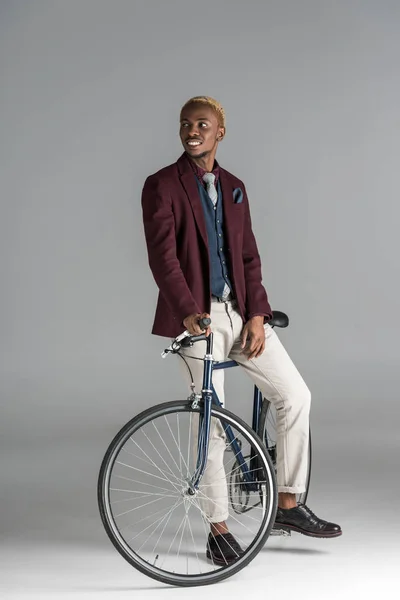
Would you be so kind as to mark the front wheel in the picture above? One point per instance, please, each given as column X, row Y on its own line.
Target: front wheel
column 151, row 514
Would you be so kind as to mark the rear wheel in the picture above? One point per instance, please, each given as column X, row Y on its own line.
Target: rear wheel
column 148, row 511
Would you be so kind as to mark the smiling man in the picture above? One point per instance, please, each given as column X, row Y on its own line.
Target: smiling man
column 205, row 261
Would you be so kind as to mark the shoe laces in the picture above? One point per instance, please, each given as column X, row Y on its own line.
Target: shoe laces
column 308, row 510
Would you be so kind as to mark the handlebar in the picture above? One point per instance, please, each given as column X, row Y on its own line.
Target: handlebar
column 204, row 323
column 178, row 341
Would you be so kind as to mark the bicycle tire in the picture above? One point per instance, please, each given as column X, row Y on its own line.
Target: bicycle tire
column 108, row 520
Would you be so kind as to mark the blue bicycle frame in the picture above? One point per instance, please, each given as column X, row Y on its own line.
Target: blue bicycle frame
column 209, row 397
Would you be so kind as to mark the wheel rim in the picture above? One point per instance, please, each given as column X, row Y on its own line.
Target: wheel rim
column 147, row 510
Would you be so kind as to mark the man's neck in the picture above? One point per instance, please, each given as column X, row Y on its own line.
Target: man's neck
column 206, row 162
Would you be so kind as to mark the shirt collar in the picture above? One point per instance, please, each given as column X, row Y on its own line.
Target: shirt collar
column 199, row 172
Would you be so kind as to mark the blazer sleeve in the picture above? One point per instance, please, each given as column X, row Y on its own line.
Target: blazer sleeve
column 159, row 229
column 257, row 303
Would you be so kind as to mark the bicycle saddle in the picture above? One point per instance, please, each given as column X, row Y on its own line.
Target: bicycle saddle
column 279, row 319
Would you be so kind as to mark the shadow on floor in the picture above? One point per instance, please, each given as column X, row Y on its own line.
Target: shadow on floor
column 299, row 551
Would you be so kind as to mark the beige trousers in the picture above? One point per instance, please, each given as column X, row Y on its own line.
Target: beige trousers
column 278, row 379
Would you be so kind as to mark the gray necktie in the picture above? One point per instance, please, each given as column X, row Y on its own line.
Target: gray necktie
column 209, row 180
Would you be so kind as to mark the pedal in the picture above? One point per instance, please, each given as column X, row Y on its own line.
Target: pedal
column 282, row 532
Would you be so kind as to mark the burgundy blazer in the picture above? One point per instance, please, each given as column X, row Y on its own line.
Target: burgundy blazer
column 176, row 238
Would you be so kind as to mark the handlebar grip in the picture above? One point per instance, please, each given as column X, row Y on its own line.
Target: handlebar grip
column 204, row 323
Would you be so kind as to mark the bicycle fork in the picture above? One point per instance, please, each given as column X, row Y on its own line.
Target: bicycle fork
column 209, row 397
column 204, row 418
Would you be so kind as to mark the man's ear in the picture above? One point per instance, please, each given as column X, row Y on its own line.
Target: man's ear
column 221, row 134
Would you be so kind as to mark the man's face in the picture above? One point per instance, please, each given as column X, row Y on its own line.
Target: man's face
column 199, row 130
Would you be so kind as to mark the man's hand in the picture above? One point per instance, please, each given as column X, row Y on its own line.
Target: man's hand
column 192, row 324
column 253, row 337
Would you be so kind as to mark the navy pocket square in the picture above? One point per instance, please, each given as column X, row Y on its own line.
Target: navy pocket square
column 237, row 196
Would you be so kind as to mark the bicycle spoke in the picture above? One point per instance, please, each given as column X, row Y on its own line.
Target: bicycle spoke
column 152, row 461
column 232, row 517
column 165, row 445
column 194, row 544
column 151, row 524
column 165, row 518
column 173, row 540
column 178, row 446
column 143, row 495
column 183, row 531
column 138, row 457
column 118, row 462
column 165, row 525
column 160, row 455
column 158, row 487
column 207, row 531
column 138, row 507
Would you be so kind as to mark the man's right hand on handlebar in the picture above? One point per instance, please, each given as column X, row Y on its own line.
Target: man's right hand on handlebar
column 192, row 324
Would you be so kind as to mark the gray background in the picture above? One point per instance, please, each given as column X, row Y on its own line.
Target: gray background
column 90, row 99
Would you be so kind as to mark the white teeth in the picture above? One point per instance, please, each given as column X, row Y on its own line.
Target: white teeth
column 194, row 143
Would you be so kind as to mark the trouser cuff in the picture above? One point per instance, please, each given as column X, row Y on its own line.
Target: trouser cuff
column 300, row 489
column 219, row 518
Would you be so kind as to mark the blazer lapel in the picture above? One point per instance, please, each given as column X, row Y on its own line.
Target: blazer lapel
column 190, row 186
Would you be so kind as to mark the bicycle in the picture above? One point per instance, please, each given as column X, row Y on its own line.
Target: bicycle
column 158, row 448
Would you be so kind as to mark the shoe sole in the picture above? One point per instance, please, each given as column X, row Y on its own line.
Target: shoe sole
column 220, row 561
column 323, row 534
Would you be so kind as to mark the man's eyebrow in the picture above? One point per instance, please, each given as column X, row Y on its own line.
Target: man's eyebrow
column 199, row 119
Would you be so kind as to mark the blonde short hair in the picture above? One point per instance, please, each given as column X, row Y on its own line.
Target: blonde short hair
column 212, row 103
